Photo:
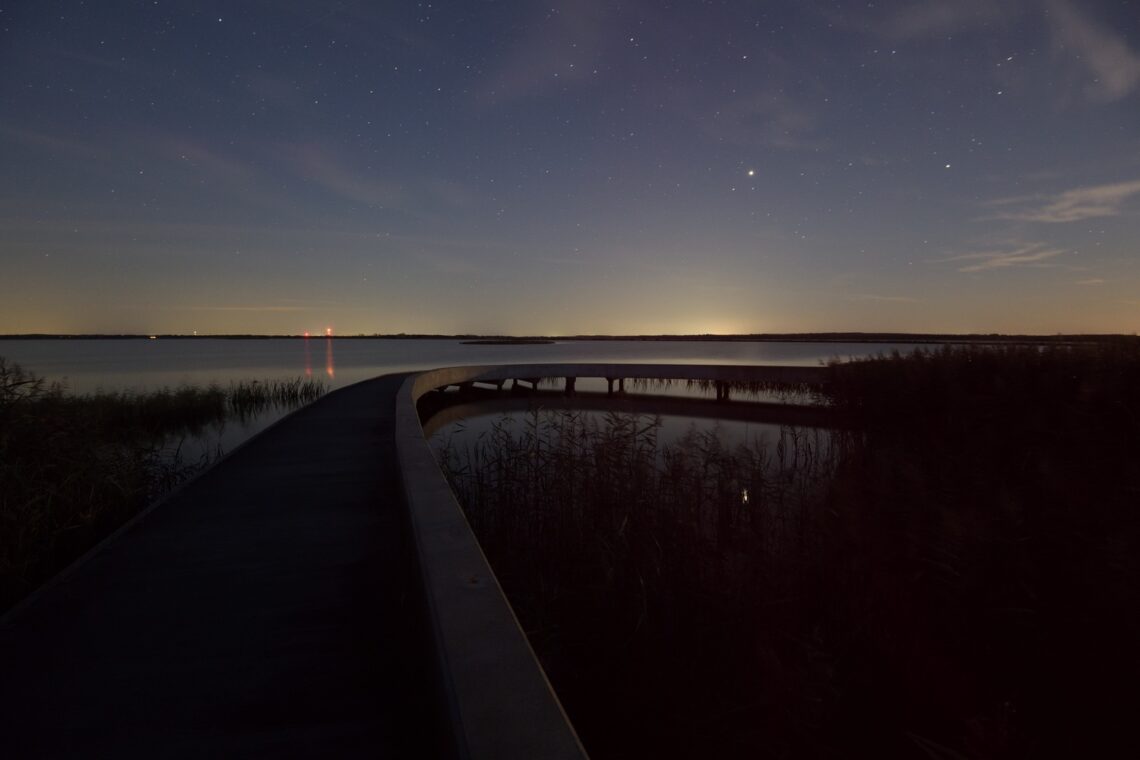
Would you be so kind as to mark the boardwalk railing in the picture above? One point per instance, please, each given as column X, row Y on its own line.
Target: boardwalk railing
column 499, row 702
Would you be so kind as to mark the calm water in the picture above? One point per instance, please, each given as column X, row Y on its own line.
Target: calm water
column 88, row 365
column 115, row 365
column 465, row 435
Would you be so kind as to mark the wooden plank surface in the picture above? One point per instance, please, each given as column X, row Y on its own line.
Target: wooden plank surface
column 267, row 609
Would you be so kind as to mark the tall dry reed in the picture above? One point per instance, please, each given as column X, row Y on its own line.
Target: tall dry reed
column 75, row 467
column 953, row 575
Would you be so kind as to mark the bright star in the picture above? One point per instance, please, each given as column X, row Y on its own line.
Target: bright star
column 751, row 172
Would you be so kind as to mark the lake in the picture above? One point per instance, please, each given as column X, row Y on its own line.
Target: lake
column 140, row 364
column 87, row 365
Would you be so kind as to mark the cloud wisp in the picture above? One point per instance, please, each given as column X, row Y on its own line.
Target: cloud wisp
column 353, row 185
column 881, row 299
column 1072, row 205
column 559, row 49
column 1113, row 65
column 768, row 119
column 927, row 19
column 249, row 308
column 47, row 141
column 1035, row 255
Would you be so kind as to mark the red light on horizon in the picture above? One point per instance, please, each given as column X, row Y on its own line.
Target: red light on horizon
column 328, row 332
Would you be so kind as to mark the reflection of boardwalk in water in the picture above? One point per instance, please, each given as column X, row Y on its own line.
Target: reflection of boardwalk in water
column 511, row 394
column 442, row 409
column 263, row 610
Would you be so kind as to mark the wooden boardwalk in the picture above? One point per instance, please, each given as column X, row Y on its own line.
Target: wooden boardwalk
column 303, row 597
column 268, row 609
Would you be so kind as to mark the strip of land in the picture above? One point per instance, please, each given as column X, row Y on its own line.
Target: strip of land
column 818, row 337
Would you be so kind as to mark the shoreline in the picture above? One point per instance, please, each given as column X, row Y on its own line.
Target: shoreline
column 469, row 339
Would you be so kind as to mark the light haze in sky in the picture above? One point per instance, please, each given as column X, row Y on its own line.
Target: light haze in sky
column 569, row 167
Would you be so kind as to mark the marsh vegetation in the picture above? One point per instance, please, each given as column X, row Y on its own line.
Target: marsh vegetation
column 952, row 571
column 75, row 467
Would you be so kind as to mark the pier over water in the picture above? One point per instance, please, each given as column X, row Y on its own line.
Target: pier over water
column 317, row 592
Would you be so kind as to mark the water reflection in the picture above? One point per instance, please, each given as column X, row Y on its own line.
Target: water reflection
column 476, row 407
column 698, row 544
column 330, row 362
column 89, row 365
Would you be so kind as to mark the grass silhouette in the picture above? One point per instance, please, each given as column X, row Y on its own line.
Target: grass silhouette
column 952, row 571
column 75, row 467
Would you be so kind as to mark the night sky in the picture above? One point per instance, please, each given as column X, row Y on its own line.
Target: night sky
column 569, row 167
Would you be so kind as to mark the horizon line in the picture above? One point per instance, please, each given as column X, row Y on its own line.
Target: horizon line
column 876, row 336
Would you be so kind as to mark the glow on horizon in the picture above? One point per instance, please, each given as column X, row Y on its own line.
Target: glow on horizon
column 828, row 314
column 945, row 171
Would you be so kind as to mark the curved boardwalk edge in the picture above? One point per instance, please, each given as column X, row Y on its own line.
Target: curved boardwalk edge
column 267, row 609
column 499, row 701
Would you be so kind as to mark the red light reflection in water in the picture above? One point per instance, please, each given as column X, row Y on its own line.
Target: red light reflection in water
column 330, row 368
column 308, row 356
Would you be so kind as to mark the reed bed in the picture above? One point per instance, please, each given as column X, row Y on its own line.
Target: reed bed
column 248, row 398
column 75, row 467
column 951, row 573
column 633, row 564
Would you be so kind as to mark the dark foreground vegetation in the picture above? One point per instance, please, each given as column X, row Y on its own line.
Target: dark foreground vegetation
column 74, row 468
column 951, row 572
